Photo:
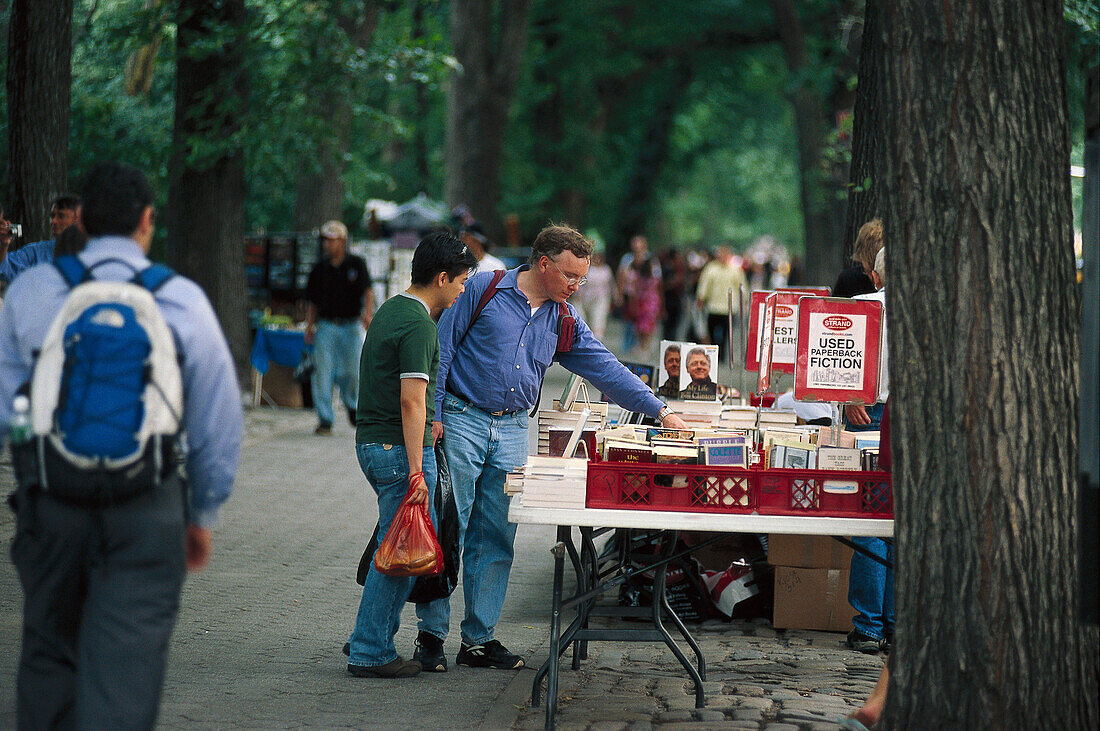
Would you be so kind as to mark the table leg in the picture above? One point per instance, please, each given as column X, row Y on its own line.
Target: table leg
column 660, row 604
column 550, row 667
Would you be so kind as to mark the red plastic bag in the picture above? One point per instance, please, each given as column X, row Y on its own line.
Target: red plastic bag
column 410, row 547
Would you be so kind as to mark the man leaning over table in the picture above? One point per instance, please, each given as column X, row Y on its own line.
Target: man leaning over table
column 490, row 374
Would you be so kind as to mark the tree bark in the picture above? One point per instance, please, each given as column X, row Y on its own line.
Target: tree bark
column 984, row 349
column 319, row 191
column 207, row 189
column 39, row 80
column 822, row 214
column 478, row 99
column 868, row 139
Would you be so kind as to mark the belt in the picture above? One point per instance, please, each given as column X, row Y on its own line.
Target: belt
column 490, row 413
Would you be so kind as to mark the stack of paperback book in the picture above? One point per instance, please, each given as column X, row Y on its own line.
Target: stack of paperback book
column 557, row 419
column 554, row 482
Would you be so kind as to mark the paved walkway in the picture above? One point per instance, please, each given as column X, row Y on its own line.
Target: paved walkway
column 258, row 640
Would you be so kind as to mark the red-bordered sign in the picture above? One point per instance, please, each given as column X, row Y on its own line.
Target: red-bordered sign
column 838, row 350
column 785, row 327
column 767, row 332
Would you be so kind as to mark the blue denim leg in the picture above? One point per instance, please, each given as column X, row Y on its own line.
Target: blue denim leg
column 870, row 588
column 387, row 469
column 481, row 449
column 325, row 343
column 346, row 376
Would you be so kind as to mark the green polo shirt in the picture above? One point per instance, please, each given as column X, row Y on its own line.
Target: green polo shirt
column 402, row 342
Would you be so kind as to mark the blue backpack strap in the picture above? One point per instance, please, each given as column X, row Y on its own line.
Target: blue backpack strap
column 154, row 276
column 72, row 270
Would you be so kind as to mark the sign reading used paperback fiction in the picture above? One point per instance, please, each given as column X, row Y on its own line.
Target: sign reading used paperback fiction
column 838, row 350
column 784, row 329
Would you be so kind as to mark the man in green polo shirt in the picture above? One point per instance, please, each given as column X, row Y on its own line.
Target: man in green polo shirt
column 393, row 437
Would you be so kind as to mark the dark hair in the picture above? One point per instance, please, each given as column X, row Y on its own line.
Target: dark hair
column 555, row 239
column 115, row 195
column 67, row 202
column 440, row 251
column 70, row 241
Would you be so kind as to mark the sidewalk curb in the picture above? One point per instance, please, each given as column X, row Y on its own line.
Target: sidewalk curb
column 508, row 707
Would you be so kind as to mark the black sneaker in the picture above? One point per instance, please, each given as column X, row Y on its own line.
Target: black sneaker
column 429, row 653
column 323, row 429
column 492, row 654
column 864, row 643
column 351, row 415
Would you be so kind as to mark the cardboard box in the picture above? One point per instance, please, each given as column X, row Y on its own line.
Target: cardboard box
column 279, row 386
column 808, row 552
column 814, row 599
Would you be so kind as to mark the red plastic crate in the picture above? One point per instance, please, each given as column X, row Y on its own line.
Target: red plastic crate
column 707, row 489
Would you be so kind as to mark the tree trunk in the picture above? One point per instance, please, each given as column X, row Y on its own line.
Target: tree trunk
column 39, row 80
column 868, row 140
column 478, row 100
column 821, row 215
column 206, row 194
column 319, row 191
column 984, row 340
column 637, row 200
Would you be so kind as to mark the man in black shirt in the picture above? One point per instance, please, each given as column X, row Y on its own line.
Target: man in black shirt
column 341, row 305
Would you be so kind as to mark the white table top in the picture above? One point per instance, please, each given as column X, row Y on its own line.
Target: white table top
column 722, row 523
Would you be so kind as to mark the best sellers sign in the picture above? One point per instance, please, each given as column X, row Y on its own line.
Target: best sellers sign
column 838, row 350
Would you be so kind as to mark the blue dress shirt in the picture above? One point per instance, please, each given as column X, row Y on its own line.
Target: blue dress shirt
column 40, row 252
column 212, row 417
column 500, row 363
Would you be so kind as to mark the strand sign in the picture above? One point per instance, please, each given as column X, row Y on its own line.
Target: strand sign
column 785, row 326
column 839, row 347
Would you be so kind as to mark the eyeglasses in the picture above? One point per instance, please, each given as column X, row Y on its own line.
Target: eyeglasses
column 571, row 281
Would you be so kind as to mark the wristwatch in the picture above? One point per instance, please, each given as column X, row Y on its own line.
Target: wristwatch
column 664, row 412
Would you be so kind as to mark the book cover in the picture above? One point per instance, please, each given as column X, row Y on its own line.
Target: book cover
column 728, row 455
column 621, row 451
column 838, row 458
column 656, row 432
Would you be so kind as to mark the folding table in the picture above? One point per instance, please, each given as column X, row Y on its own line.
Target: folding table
column 592, row 581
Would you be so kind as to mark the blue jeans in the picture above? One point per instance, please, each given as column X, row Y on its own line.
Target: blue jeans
column 871, row 588
column 481, row 449
column 336, row 349
column 387, row 468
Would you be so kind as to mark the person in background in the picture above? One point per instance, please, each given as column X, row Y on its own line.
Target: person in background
column 712, row 295
column 71, row 241
column 473, row 235
column 595, row 297
column 102, row 584
column 856, row 279
column 393, row 439
column 674, row 283
column 639, row 249
column 490, row 375
column 871, row 585
column 646, row 300
column 341, row 305
column 64, row 212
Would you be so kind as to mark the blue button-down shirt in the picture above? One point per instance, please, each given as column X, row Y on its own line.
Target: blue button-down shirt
column 212, row 415
column 500, row 363
column 40, row 252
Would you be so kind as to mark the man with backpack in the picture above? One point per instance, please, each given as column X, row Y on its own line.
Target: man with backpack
column 495, row 346
column 122, row 359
